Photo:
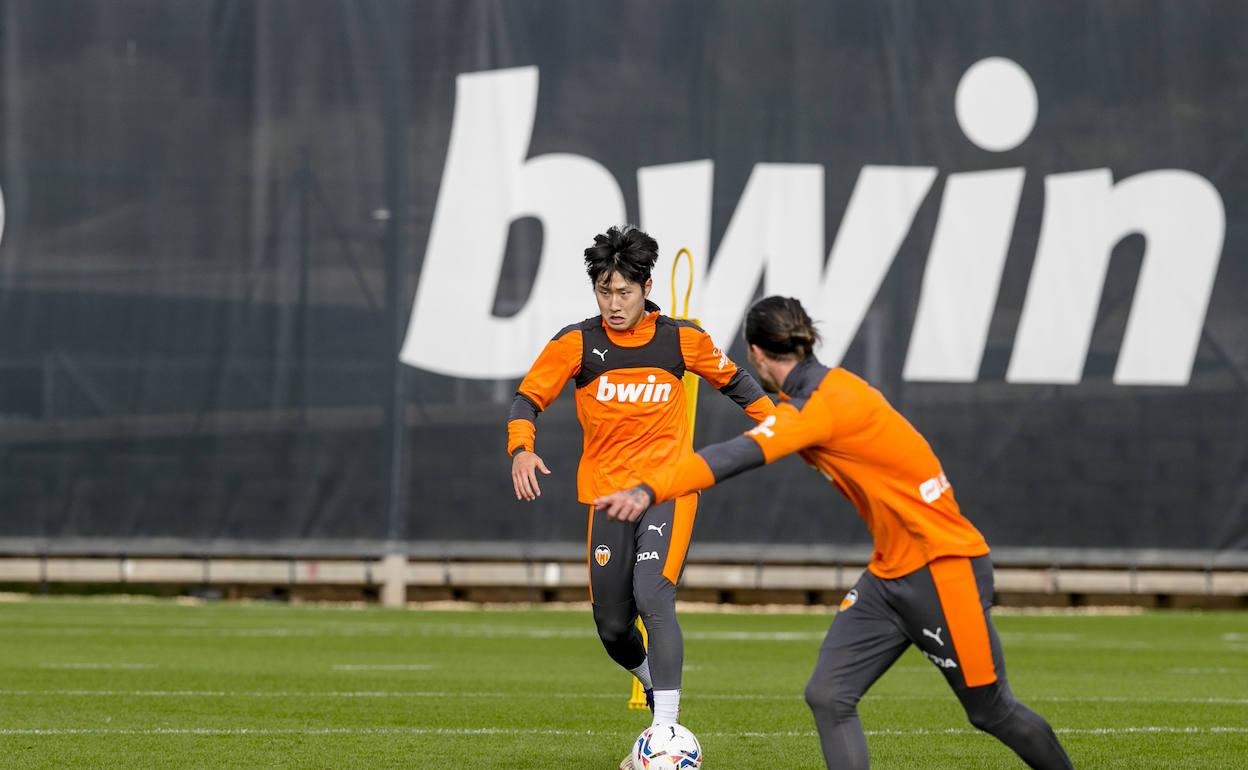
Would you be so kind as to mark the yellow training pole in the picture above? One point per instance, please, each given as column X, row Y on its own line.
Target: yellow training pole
column 690, row 379
column 637, row 700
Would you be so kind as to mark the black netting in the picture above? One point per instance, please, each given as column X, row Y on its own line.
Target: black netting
column 216, row 216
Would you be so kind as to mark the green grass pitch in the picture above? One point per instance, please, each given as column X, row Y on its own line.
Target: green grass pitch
column 161, row 684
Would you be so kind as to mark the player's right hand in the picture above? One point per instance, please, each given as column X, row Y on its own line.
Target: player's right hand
column 628, row 505
column 524, row 467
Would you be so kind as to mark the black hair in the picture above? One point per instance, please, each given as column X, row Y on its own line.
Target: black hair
column 624, row 250
column 780, row 326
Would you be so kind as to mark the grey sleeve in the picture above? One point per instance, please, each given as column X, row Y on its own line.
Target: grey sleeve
column 728, row 458
column 743, row 389
column 522, row 408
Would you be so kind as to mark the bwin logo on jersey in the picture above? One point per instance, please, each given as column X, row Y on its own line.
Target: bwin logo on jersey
column 633, row 392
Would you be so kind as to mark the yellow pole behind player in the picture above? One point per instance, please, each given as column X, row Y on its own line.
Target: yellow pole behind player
column 637, row 700
column 690, row 379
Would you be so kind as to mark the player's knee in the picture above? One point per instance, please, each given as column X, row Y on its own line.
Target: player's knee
column 990, row 708
column 613, row 628
column 831, row 701
column 986, row 719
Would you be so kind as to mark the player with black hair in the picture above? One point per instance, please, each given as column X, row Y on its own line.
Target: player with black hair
column 930, row 580
column 627, row 364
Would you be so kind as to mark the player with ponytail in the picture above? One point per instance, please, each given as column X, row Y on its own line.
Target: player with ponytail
column 930, row 581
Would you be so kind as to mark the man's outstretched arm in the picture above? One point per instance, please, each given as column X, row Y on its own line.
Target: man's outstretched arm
column 783, row 433
column 705, row 468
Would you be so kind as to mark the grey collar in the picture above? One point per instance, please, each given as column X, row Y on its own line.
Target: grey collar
column 804, row 378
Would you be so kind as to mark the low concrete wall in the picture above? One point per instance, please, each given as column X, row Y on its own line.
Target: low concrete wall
column 394, row 580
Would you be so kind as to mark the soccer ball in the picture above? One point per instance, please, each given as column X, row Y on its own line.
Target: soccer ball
column 666, row 747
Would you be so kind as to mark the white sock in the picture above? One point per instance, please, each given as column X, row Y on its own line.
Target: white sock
column 642, row 673
column 666, row 707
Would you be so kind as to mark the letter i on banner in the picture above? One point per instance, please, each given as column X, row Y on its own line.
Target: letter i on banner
column 637, row 700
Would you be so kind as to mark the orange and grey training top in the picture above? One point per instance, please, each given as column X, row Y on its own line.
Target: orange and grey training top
column 848, row 431
column 629, row 396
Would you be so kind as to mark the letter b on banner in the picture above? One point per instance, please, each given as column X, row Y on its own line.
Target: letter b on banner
column 488, row 183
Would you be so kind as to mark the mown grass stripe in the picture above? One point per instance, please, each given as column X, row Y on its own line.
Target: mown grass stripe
column 574, row 696
column 504, row 731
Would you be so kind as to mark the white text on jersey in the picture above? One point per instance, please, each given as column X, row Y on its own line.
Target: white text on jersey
column 634, row 392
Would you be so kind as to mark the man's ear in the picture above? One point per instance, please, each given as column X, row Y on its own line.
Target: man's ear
column 646, row 289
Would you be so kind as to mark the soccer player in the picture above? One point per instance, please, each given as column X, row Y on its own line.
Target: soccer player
column 627, row 364
column 929, row 582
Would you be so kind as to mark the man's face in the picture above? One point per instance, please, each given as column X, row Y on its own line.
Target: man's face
column 622, row 302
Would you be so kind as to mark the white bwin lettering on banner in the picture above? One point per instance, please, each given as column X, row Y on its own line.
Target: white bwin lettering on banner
column 776, row 234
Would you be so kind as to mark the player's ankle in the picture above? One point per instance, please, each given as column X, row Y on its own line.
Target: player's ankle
column 666, row 707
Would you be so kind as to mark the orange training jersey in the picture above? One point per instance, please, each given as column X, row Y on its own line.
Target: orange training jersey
column 629, row 397
column 848, row 431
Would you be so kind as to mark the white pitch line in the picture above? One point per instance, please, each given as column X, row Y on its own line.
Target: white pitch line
column 523, row 632
column 459, row 630
column 382, row 667
column 465, row 630
column 1212, row 701
column 99, row 666
column 253, row 694
column 504, row 731
column 359, row 694
column 796, row 697
column 1039, row 636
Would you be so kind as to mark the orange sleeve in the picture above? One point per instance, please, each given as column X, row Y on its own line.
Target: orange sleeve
column 558, row 362
column 789, row 430
column 691, row 474
column 762, row 408
column 521, row 434
column 703, row 358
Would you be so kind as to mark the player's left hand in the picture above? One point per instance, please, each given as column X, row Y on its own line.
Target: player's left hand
column 625, row 506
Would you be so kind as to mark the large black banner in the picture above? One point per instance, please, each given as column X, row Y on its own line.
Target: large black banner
column 270, row 271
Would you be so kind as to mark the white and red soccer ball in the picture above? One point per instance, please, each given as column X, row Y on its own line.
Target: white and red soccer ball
column 667, row 747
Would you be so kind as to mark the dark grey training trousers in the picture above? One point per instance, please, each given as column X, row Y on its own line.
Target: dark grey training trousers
column 880, row 618
column 633, row 570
